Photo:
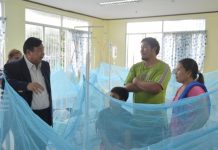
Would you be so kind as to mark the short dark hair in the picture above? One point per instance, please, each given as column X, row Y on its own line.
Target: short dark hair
column 153, row 43
column 30, row 43
column 122, row 92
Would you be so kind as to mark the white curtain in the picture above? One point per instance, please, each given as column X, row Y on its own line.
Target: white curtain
column 76, row 45
column 179, row 45
column 2, row 41
column 53, row 52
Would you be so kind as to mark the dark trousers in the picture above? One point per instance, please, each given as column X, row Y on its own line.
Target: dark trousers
column 45, row 114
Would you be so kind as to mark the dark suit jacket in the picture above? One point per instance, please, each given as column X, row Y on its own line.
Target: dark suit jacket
column 18, row 76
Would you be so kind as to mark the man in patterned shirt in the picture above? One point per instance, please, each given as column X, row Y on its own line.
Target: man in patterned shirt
column 148, row 79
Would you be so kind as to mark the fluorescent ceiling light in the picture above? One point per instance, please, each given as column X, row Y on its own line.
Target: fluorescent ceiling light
column 119, row 2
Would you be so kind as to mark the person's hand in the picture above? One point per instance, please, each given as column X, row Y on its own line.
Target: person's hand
column 135, row 80
column 35, row 87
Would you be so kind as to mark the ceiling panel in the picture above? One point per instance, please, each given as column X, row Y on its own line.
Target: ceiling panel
column 144, row 8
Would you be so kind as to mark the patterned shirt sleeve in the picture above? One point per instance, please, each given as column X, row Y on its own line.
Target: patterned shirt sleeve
column 130, row 76
column 163, row 76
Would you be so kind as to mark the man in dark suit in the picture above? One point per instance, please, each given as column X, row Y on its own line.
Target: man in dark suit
column 30, row 77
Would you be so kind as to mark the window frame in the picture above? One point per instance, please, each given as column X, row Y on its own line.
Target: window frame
column 61, row 31
column 162, row 34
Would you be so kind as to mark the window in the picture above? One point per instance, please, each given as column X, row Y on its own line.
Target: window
column 178, row 39
column 35, row 16
column 184, row 25
column 65, row 39
column 77, row 24
column 75, row 46
column 34, row 31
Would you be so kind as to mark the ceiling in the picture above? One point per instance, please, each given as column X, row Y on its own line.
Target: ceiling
column 144, row 8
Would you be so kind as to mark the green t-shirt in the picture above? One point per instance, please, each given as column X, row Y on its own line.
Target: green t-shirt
column 159, row 73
